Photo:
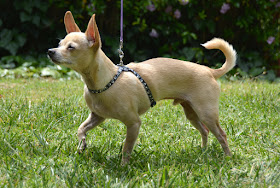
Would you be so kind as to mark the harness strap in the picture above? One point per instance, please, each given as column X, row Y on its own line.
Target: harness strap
column 126, row 69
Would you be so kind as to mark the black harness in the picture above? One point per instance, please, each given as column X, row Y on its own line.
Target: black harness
column 126, row 69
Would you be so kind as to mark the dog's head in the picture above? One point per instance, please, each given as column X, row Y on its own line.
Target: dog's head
column 77, row 49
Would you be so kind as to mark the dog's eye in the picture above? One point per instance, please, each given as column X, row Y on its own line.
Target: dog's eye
column 70, row 47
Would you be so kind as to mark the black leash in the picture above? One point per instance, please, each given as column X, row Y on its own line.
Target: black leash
column 126, row 69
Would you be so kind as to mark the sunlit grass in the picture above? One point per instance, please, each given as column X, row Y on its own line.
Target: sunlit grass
column 39, row 121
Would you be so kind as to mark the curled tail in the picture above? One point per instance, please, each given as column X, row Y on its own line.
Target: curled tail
column 228, row 51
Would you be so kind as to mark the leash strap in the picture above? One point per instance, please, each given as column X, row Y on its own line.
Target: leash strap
column 126, row 69
column 121, row 26
column 121, row 53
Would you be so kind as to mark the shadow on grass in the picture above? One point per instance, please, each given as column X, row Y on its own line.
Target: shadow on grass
column 144, row 160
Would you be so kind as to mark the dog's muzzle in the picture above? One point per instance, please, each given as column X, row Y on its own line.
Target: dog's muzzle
column 51, row 52
column 52, row 55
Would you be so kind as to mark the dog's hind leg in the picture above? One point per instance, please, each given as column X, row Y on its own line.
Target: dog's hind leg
column 211, row 120
column 92, row 121
column 193, row 118
column 220, row 134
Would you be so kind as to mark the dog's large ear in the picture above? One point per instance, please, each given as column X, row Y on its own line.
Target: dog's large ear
column 92, row 33
column 70, row 24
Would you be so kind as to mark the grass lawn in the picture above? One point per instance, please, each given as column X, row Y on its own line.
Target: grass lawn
column 39, row 120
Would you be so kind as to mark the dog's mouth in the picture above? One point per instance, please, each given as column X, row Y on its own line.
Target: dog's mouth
column 54, row 60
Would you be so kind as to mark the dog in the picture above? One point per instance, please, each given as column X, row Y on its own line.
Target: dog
column 191, row 85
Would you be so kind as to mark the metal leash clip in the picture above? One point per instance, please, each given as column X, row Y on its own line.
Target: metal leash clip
column 121, row 53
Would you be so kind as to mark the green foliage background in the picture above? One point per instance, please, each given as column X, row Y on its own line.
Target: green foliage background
column 152, row 28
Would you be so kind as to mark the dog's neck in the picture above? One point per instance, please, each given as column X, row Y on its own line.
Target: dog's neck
column 99, row 72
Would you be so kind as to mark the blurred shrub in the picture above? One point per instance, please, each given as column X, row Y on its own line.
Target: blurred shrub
column 152, row 28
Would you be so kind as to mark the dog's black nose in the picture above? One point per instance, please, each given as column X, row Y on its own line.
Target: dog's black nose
column 51, row 52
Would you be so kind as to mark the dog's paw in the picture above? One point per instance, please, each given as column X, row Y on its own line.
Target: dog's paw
column 82, row 146
column 124, row 162
column 81, row 150
column 125, row 159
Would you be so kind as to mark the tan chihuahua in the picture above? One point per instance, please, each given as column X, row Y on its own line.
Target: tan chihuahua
column 133, row 92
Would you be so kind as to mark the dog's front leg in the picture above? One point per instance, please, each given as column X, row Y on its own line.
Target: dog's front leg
column 92, row 121
column 131, row 136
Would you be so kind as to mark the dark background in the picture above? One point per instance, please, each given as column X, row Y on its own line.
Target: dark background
column 29, row 27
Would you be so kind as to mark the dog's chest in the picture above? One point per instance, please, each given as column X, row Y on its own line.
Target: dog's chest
column 103, row 106
column 95, row 105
